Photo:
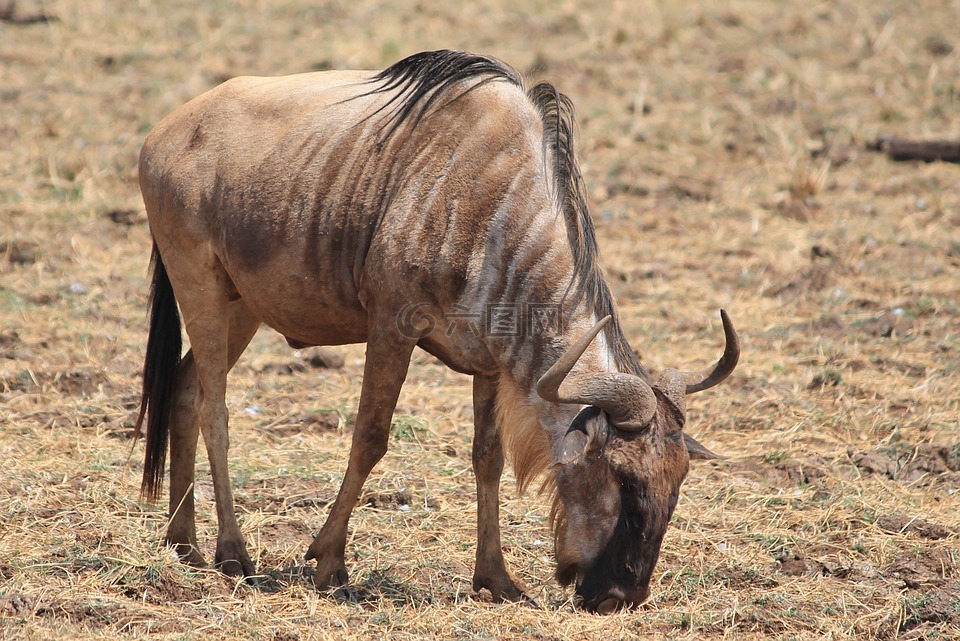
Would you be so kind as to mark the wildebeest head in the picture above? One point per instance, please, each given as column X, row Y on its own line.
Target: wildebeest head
column 619, row 468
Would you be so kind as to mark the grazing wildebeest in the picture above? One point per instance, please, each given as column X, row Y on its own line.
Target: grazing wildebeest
column 353, row 206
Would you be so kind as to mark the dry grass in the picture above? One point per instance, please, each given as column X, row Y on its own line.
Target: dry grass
column 723, row 144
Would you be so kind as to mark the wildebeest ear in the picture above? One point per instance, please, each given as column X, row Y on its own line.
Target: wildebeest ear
column 582, row 436
column 698, row 451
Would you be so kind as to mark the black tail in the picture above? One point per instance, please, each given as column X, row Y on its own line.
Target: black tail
column 159, row 373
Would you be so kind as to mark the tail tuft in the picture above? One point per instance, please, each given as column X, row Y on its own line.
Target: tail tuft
column 164, row 346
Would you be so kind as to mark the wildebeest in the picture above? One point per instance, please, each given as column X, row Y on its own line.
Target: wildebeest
column 435, row 204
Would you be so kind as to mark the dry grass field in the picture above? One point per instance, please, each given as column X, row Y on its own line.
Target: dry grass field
column 725, row 147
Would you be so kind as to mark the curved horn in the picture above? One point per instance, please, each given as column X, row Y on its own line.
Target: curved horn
column 707, row 378
column 548, row 387
column 627, row 400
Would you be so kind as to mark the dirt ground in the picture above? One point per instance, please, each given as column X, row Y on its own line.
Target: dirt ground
column 726, row 147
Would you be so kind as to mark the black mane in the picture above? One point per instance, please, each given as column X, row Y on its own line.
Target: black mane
column 557, row 114
column 419, row 80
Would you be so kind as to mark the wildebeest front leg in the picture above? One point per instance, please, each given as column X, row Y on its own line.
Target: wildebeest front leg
column 387, row 360
column 491, row 570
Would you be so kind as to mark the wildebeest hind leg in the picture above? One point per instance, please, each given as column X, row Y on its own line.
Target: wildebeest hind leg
column 184, row 433
column 214, row 326
column 387, row 360
column 491, row 570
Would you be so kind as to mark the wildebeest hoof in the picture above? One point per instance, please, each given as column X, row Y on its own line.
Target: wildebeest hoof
column 188, row 553
column 235, row 567
column 236, row 564
column 327, row 578
column 529, row 601
column 505, row 589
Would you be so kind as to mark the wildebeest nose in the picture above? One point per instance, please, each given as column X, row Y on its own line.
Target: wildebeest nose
column 619, row 600
column 609, row 605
